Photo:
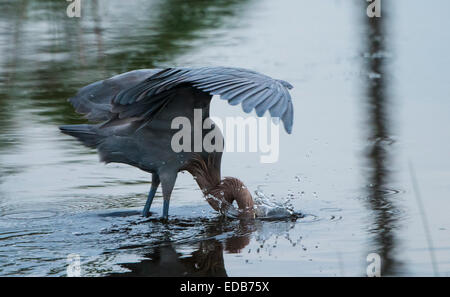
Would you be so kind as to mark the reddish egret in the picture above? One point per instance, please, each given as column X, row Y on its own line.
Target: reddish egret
column 134, row 112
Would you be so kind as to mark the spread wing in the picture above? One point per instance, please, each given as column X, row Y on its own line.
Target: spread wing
column 94, row 100
column 253, row 90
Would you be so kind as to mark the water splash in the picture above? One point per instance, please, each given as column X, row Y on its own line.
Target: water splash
column 267, row 208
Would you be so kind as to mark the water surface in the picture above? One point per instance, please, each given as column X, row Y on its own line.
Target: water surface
column 369, row 99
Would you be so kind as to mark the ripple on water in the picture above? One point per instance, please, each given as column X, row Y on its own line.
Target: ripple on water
column 34, row 215
column 331, row 209
column 308, row 218
column 385, row 191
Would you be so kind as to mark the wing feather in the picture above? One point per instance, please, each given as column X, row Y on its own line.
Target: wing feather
column 265, row 105
column 250, row 103
column 244, row 95
column 221, row 90
column 253, row 90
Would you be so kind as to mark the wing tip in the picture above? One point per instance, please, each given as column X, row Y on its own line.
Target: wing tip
column 288, row 129
column 286, row 84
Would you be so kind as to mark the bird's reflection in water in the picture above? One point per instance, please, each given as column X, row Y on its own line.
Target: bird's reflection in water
column 164, row 260
column 218, row 237
column 207, row 259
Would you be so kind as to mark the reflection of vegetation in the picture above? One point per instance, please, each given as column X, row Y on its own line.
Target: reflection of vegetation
column 378, row 155
column 48, row 56
column 178, row 22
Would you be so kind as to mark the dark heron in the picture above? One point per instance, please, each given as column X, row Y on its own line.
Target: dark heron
column 134, row 112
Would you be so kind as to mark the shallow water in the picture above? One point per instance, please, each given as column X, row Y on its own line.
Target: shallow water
column 365, row 108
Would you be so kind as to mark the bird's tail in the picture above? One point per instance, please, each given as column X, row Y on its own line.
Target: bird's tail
column 84, row 133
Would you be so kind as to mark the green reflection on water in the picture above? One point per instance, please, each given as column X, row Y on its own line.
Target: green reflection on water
column 48, row 56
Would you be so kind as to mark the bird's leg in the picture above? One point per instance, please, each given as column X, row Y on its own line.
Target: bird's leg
column 165, row 215
column 167, row 183
column 151, row 194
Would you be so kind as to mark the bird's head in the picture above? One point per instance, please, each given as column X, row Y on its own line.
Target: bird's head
column 220, row 194
column 232, row 189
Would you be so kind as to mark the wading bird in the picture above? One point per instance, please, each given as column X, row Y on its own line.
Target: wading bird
column 134, row 111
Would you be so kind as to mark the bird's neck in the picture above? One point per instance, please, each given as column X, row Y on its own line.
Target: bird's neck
column 220, row 194
column 207, row 175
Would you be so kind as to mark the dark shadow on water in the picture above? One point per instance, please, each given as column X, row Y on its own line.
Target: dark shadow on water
column 162, row 259
column 120, row 213
column 379, row 156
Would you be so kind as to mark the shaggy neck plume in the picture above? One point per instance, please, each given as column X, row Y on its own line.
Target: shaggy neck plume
column 220, row 194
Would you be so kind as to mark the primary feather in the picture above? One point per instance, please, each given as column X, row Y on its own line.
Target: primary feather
column 237, row 85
